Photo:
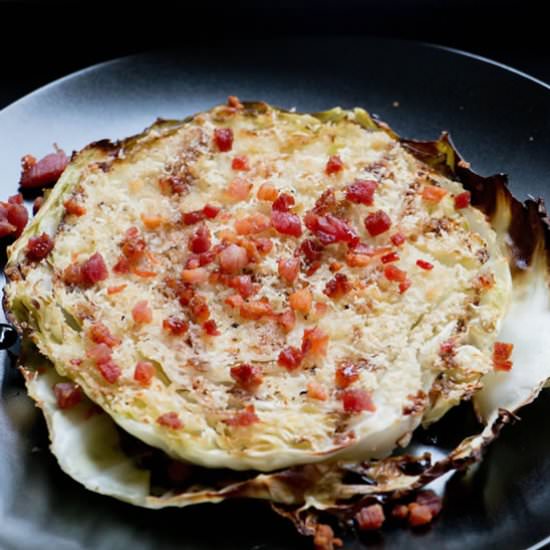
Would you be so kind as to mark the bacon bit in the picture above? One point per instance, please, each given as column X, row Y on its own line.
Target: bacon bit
column 175, row 326
column 316, row 391
column 226, row 236
column 286, row 223
column 244, row 418
column 247, row 376
column 151, row 222
column 191, row 218
column 361, row 192
column 94, row 270
column 267, row 192
column 233, row 101
column 16, row 199
column 234, row 300
column 447, row 347
column 223, row 139
column 311, row 249
column 208, row 211
column 283, row 203
column 142, row 313
column 334, row 165
column 358, row 260
column 290, row 358
column 502, row 351
column 172, row 185
column 133, row 246
column 462, row 200
column 211, row 328
column 144, row 372
column 393, row 273
column 72, row 274
column 377, row 223
column 110, row 371
column 99, row 353
column 240, row 162
column 144, row 273
column 27, row 162
column 116, row 289
column 199, row 241
column 431, row 500
column 330, row 229
column 194, row 276
column 404, row 286
column 211, row 211
column 263, row 245
column 501, row 356
column 337, row 287
column 67, row 394
column 183, row 291
column 419, row 514
column 423, row 264
column 288, row 269
column 256, row 223
column 122, row 266
column 301, row 300
column 397, row 239
column 243, row 285
column 325, row 203
column 324, row 538
column 255, row 310
column 233, row 258
column 370, row 518
column 238, row 189
column 251, row 250
column 432, row 193
column 170, row 420
column 346, row 374
column 313, row 268
column 43, row 173
column 214, row 277
column 314, row 342
column 199, row 309
column 206, row 258
column 100, row 334
column 38, row 202
column 13, row 216
column 72, row 207
column 400, row 512
column 286, row 320
column 39, row 247
column 356, row 401
column 390, row 257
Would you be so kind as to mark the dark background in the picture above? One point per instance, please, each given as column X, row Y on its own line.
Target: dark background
column 41, row 41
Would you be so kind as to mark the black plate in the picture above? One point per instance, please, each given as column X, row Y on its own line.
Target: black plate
column 499, row 119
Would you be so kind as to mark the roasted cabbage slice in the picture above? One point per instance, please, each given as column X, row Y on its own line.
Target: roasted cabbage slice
column 254, row 288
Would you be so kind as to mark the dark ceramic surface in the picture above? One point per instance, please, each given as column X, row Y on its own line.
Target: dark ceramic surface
column 500, row 121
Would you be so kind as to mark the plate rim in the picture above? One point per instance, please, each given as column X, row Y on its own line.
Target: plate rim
column 428, row 45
